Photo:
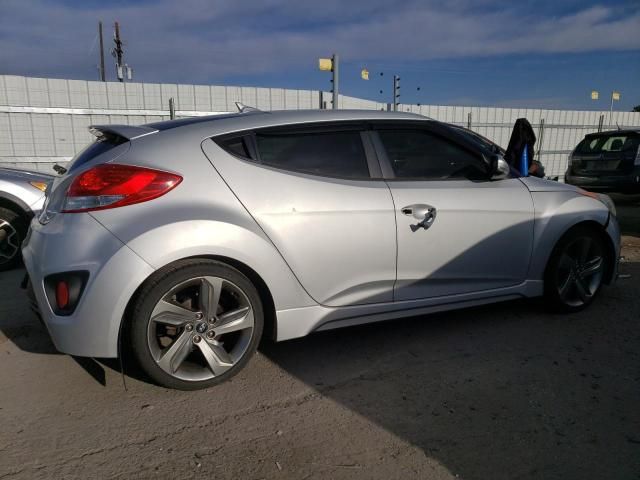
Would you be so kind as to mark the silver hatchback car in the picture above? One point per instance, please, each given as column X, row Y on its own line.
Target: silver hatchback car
column 185, row 242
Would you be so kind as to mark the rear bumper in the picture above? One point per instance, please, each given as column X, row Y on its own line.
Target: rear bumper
column 607, row 183
column 78, row 242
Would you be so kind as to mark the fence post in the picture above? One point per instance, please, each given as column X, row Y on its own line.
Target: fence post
column 172, row 109
column 469, row 120
column 321, row 96
column 540, row 140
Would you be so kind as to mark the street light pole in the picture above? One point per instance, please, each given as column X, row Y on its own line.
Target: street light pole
column 334, row 70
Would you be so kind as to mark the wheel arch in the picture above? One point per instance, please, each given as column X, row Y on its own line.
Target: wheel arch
column 15, row 204
column 270, row 324
column 600, row 230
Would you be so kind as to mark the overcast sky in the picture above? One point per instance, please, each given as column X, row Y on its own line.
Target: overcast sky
column 542, row 54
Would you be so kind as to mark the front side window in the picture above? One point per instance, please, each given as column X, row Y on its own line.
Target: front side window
column 333, row 154
column 421, row 154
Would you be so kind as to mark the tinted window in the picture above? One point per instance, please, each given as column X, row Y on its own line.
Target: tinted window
column 608, row 143
column 480, row 140
column 419, row 154
column 103, row 144
column 236, row 146
column 334, row 154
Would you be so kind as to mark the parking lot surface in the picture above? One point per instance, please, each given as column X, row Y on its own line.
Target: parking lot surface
column 506, row 391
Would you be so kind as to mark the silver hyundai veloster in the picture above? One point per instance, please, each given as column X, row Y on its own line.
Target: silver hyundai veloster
column 184, row 242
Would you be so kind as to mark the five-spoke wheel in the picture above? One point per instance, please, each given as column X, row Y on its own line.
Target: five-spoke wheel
column 576, row 269
column 201, row 322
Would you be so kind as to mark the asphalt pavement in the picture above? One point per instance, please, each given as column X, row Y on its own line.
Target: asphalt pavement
column 505, row 391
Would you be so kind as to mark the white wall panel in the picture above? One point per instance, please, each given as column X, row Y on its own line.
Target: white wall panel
column 47, row 134
column 152, row 96
column 59, row 92
column 38, row 92
column 16, row 90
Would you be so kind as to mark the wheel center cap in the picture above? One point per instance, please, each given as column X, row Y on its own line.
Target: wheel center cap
column 201, row 327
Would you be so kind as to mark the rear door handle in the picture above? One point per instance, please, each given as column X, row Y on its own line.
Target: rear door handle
column 425, row 214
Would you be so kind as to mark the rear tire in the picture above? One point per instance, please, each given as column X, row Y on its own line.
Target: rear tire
column 195, row 324
column 575, row 271
column 13, row 229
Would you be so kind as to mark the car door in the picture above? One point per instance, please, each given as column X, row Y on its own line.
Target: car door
column 457, row 231
column 311, row 191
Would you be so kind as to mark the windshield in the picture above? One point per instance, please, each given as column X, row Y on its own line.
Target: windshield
column 608, row 143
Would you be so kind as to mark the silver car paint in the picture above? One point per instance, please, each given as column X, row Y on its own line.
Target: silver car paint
column 203, row 217
column 115, row 272
column 15, row 186
column 477, row 241
column 302, row 215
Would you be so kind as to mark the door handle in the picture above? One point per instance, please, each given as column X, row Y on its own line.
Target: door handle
column 425, row 214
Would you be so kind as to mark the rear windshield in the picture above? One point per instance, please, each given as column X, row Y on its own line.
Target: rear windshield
column 101, row 145
column 608, row 143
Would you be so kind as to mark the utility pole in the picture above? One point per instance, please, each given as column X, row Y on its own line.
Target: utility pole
column 396, row 92
column 118, row 53
column 102, row 73
column 334, row 79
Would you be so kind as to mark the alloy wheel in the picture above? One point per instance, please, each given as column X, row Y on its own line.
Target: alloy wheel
column 580, row 271
column 200, row 328
column 9, row 242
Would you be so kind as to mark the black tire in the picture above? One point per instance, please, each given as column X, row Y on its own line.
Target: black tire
column 13, row 229
column 567, row 287
column 136, row 334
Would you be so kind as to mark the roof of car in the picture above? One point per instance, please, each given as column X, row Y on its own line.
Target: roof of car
column 253, row 119
column 614, row 133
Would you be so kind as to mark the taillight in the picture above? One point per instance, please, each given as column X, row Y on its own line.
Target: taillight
column 112, row 185
column 62, row 294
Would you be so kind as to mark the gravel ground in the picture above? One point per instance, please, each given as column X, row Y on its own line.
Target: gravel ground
column 506, row 391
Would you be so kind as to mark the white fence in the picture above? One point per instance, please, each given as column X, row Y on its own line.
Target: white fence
column 44, row 120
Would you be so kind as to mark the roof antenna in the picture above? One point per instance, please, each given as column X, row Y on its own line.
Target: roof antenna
column 242, row 108
column 618, row 126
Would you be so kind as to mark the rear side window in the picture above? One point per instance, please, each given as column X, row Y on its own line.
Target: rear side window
column 333, row 154
column 421, row 154
column 608, row 143
column 103, row 144
column 236, row 146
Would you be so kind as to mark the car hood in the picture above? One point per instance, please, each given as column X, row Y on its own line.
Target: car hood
column 535, row 184
column 23, row 175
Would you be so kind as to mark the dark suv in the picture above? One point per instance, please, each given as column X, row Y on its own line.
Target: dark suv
column 607, row 161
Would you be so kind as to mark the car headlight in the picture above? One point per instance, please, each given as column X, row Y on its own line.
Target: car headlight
column 606, row 199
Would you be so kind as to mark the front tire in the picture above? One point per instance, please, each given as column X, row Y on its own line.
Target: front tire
column 575, row 270
column 13, row 229
column 195, row 324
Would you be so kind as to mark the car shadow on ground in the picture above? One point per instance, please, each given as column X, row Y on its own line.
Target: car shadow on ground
column 503, row 391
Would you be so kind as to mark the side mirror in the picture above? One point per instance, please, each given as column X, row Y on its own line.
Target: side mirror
column 499, row 168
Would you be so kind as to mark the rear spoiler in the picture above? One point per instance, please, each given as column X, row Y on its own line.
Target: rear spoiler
column 128, row 132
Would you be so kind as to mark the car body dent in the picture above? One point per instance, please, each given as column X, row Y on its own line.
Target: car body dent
column 321, row 227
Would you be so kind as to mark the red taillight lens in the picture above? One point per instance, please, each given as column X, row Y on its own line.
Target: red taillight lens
column 62, row 294
column 111, row 186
